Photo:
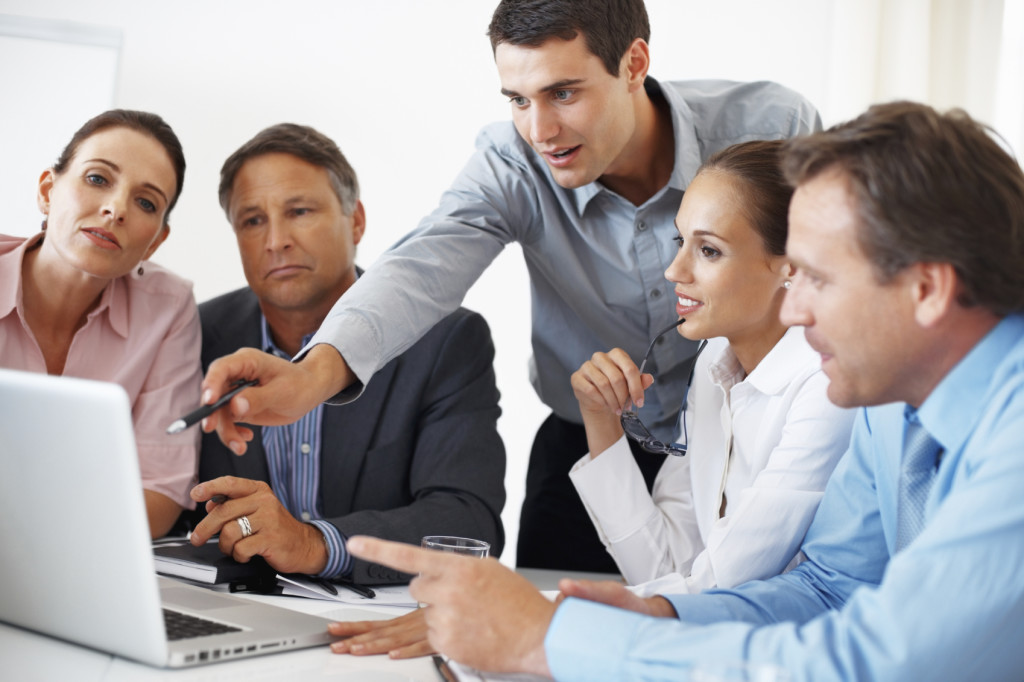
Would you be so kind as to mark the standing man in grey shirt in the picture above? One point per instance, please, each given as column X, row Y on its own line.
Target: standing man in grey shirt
column 587, row 177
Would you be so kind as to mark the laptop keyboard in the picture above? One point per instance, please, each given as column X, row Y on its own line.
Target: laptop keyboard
column 184, row 626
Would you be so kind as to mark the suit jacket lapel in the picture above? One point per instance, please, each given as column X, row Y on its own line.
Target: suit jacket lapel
column 346, row 440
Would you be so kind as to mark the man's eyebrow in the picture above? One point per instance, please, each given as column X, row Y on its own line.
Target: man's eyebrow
column 117, row 169
column 558, row 85
column 290, row 201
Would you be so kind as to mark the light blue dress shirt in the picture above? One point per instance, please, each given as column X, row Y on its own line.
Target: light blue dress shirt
column 950, row 606
column 596, row 261
column 293, row 460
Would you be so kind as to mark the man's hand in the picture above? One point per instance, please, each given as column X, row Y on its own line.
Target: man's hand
column 401, row 637
column 287, row 390
column 615, row 594
column 288, row 545
column 480, row 613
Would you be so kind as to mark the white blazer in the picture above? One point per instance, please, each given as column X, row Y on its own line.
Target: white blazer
column 767, row 443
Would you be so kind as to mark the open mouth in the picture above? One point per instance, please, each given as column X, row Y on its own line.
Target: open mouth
column 565, row 152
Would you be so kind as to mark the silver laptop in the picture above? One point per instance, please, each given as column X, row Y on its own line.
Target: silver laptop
column 77, row 562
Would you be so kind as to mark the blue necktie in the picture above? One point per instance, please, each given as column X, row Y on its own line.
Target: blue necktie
column 920, row 451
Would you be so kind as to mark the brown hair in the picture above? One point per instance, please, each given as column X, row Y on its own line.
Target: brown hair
column 300, row 141
column 929, row 187
column 141, row 121
column 609, row 27
column 756, row 167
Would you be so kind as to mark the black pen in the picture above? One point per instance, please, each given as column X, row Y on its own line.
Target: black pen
column 358, row 589
column 326, row 585
column 443, row 669
column 204, row 411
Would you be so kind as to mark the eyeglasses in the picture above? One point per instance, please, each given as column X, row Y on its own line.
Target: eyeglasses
column 636, row 430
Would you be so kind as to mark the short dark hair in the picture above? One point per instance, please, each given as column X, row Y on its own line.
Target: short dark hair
column 141, row 121
column 300, row 141
column 609, row 27
column 756, row 166
column 929, row 187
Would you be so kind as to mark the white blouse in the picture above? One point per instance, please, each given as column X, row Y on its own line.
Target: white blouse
column 767, row 443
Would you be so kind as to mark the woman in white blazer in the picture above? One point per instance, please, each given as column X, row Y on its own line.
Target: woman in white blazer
column 759, row 434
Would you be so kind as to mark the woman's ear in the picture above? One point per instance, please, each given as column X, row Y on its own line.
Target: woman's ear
column 157, row 241
column 43, row 189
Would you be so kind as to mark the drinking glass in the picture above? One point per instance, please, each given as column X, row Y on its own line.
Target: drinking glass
column 457, row 545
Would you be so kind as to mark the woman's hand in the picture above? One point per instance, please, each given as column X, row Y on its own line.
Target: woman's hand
column 603, row 385
column 607, row 381
column 401, row 637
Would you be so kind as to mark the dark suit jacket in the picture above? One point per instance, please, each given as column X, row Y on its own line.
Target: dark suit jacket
column 417, row 454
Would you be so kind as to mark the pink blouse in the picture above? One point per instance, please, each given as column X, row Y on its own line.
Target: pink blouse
column 143, row 335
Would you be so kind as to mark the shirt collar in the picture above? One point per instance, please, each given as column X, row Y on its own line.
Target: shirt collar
column 10, row 271
column 772, row 375
column 268, row 344
column 687, row 149
column 954, row 407
column 114, row 298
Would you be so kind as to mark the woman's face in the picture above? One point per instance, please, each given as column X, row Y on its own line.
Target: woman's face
column 726, row 284
column 105, row 212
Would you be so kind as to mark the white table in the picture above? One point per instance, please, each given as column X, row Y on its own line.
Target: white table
column 29, row 657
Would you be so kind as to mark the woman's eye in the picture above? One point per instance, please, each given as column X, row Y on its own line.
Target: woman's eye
column 147, row 205
column 95, row 179
column 679, row 241
column 710, row 252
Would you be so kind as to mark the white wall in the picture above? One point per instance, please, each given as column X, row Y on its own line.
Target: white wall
column 402, row 86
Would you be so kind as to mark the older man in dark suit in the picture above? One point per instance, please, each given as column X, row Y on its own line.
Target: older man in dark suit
column 418, row 454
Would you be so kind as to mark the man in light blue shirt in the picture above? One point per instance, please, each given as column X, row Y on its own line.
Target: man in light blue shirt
column 587, row 178
column 907, row 229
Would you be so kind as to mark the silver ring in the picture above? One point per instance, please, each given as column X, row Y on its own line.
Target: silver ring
column 243, row 523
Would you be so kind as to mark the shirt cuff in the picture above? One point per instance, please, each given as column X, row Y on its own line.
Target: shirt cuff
column 339, row 561
column 589, row 641
column 360, row 353
column 613, row 491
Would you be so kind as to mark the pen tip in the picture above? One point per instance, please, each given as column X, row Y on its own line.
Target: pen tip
column 176, row 426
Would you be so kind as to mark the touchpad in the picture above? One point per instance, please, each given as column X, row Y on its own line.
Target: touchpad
column 196, row 601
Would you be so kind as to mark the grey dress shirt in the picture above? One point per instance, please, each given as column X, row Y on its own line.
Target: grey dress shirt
column 596, row 261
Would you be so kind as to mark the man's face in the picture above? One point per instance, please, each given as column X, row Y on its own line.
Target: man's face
column 297, row 245
column 864, row 331
column 567, row 106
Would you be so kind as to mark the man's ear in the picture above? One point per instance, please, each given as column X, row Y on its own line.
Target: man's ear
column 43, row 190
column 157, row 241
column 635, row 63
column 358, row 222
column 934, row 288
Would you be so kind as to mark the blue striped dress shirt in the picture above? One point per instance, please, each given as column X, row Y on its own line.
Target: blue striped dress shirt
column 293, row 458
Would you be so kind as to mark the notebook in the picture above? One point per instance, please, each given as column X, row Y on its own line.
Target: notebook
column 77, row 563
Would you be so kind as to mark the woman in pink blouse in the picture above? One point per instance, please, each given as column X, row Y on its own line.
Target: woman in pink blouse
column 80, row 299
